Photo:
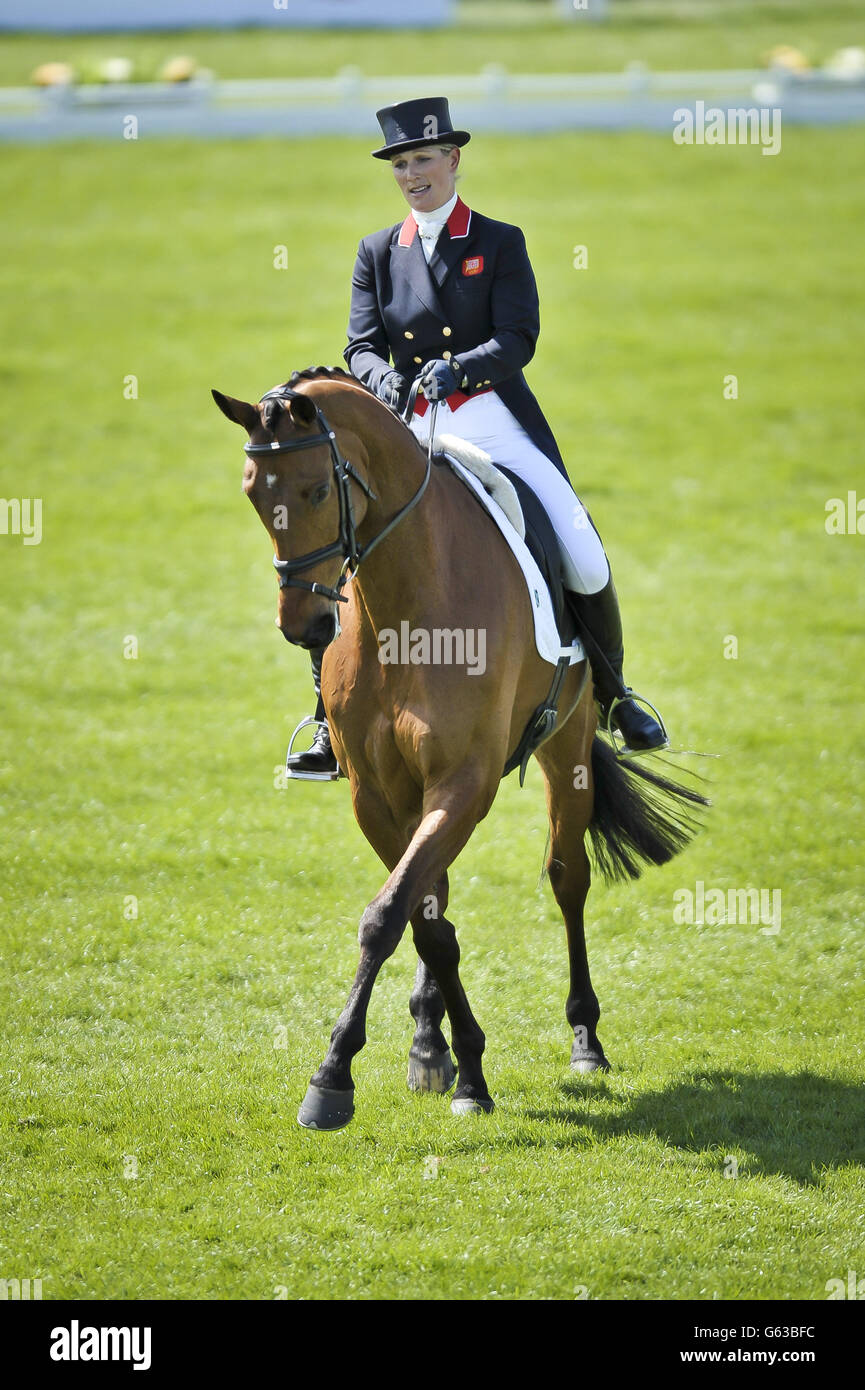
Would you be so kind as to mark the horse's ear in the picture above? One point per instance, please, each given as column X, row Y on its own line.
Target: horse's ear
column 240, row 412
column 302, row 410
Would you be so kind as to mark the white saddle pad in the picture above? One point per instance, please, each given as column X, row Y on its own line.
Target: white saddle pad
column 499, row 498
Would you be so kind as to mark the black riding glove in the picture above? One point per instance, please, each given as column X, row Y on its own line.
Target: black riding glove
column 391, row 388
column 439, row 379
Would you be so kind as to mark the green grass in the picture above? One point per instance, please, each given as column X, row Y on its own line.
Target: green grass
column 524, row 35
column 184, row 1037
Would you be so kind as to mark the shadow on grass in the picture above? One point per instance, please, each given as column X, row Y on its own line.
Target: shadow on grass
column 797, row 1126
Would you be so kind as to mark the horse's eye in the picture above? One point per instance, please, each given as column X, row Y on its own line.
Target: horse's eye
column 320, row 494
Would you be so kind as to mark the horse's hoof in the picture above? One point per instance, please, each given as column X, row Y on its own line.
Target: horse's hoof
column 436, row 1073
column 589, row 1062
column 323, row 1109
column 469, row 1106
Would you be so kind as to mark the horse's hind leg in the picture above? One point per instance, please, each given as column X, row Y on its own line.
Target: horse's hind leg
column 566, row 762
column 430, row 1065
column 437, row 946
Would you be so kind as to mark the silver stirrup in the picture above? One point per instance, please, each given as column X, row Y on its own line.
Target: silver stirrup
column 308, row 776
column 624, row 751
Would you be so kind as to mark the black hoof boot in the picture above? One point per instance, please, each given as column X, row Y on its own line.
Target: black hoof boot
column 323, row 1109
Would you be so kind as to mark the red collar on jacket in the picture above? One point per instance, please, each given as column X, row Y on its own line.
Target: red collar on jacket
column 457, row 224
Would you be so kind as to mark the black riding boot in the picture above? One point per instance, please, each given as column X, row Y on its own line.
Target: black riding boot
column 601, row 620
column 319, row 761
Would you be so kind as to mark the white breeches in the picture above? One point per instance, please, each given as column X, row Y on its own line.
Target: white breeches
column 486, row 422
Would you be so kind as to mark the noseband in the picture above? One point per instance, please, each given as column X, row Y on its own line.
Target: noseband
column 346, row 543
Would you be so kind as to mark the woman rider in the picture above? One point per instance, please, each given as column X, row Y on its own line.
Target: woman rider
column 450, row 294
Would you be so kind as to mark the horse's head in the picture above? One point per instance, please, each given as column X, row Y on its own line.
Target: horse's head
column 310, row 499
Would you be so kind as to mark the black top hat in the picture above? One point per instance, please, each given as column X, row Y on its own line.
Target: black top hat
column 410, row 124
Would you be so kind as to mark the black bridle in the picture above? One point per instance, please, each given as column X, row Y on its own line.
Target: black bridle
column 346, row 543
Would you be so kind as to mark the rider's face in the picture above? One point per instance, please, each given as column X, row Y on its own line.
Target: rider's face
column 426, row 176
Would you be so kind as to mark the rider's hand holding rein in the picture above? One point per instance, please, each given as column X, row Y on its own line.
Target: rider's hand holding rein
column 439, row 380
column 393, row 390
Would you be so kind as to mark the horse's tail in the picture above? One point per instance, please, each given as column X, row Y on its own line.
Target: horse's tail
column 639, row 818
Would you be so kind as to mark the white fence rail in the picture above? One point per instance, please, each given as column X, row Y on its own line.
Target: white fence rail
column 492, row 100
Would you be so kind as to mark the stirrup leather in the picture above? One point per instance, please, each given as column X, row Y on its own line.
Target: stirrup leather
column 623, row 751
column 308, row 776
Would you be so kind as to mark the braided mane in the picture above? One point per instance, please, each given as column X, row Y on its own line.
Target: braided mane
column 332, row 373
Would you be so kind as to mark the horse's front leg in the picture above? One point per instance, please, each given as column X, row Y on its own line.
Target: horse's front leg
column 442, row 833
column 430, row 1066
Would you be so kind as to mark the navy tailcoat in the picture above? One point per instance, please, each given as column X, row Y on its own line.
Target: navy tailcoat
column 476, row 301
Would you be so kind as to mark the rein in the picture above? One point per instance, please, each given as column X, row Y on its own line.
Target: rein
column 346, row 543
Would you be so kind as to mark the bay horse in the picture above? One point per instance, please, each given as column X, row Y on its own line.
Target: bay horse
column 350, row 500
